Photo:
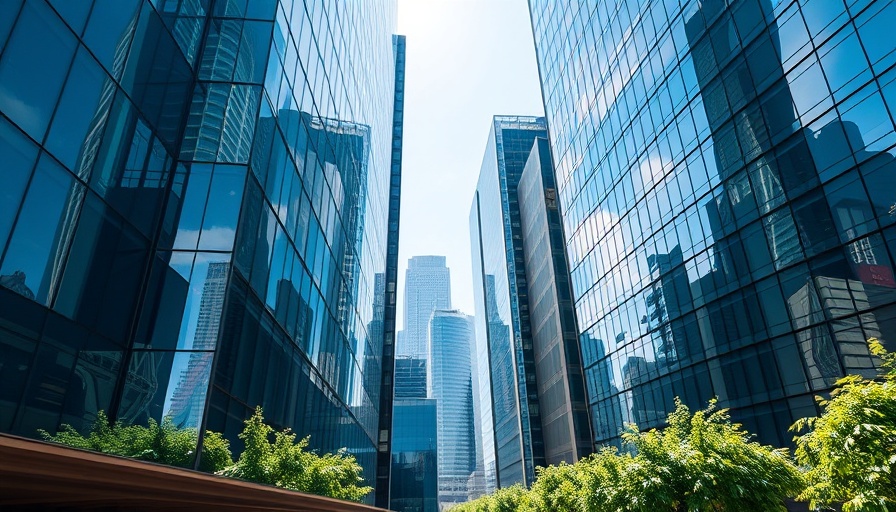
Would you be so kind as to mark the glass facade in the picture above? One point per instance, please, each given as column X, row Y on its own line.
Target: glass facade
column 726, row 176
column 196, row 214
column 414, row 455
column 410, row 378
column 450, row 384
column 390, row 284
column 503, row 332
column 427, row 287
column 558, row 363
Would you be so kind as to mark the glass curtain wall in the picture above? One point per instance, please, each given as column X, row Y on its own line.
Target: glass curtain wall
column 726, row 177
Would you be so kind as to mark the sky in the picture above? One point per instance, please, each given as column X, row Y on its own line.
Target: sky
column 467, row 60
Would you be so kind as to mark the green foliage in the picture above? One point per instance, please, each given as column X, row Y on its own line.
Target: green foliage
column 850, row 450
column 509, row 499
column 288, row 463
column 162, row 443
column 557, row 488
column 701, row 462
column 704, row 462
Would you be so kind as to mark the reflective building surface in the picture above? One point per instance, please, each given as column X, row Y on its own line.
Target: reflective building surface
column 558, row 364
column 511, row 430
column 196, row 213
column 726, row 177
column 450, row 384
column 414, row 455
column 427, row 287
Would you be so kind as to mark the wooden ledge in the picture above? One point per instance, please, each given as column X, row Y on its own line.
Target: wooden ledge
column 36, row 475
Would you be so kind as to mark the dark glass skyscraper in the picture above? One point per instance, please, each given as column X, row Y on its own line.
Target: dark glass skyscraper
column 506, row 365
column 558, row 364
column 199, row 200
column 726, row 177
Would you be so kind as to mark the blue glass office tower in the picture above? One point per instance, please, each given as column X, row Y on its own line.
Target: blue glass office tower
column 415, row 475
column 726, row 176
column 195, row 215
column 450, row 384
column 511, row 430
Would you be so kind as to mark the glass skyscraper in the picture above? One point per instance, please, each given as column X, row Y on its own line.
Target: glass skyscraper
column 450, row 384
column 726, row 177
column 511, row 429
column 427, row 287
column 414, row 456
column 198, row 201
column 562, row 403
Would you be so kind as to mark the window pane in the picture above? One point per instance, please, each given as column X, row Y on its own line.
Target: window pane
column 17, row 156
column 82, row 112
column 28, row 92
column 9, row 10
column 106, row 265
column 109, row 32
column 193, row 207
column 225, row 197
column 45, row 225
column 16, row 353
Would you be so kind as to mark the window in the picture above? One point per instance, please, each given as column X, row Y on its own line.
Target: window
column 28, row 93
column 43, row 230
column 18, row 156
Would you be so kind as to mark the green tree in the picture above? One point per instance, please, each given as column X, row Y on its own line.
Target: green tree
column 557, row 488
column 510, row 499
column 162, row 443
column 850, row 450
column 276, row 458
column 704, row 462
column 701, row 462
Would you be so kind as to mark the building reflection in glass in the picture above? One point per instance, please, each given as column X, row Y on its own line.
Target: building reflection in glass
column 727, row 229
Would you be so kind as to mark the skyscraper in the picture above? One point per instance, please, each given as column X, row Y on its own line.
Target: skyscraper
column 415, row 482
column 390, row 334
column 725, row 174
column 427, row 287
column 558, row 362
column 201, row 196
column 450, row 333
column 503, row 330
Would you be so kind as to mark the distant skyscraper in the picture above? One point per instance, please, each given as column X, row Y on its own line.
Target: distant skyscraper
column 503, row 330
column 451, row 385
column 414, row 456
column 558, row 362
column 427, row 287
column 410, row 378
column 727, row 183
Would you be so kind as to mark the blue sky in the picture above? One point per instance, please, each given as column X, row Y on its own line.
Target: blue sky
column 467, row 60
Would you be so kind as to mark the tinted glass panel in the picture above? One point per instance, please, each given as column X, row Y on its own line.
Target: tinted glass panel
column 81, row 115
column 37, row 248
column 28, row 93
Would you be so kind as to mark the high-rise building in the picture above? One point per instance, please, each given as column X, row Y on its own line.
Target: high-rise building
column 390, row 284
column 199, row 199
column 727, row 183
column 427, row 287
column 450, row 384
column 506, row 362
column 414, row 455
column 562, row 403
column 410, row 378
